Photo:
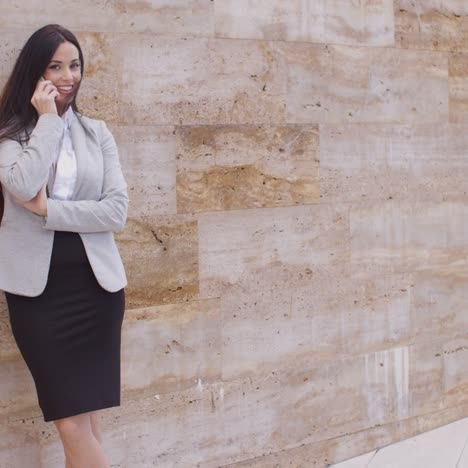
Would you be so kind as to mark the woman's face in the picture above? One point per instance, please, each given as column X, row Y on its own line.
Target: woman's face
column 64, row 70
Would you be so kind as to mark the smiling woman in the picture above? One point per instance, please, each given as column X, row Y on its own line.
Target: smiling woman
column 64, row 195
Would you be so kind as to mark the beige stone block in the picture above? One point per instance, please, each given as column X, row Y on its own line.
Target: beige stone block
column 438, row 306
column 178, row 429
column 386, row 384
column 170, row 17
column 279, row 327
column 336, row 22
column 171, row 347
column 455, row 355
column 176, row 81
column 11, row 43
column 233, row 167
column 357, row 392
column 17, row 391
column 374, row 312
column 426, row 386
column 404, row 236
column 26, row 440
column 393, row 162
column 18, row 447
column 161, row 260
column 234, row 246
column 166, row 17
column 99, row 90
column 86, row 15
column 431, row 24
column 8, row 348
column 339, row 84
column 458, row 88
column 439, row 376
column 262, row 332
column 148, row 158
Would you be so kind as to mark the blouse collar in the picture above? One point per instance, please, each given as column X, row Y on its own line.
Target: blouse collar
column 68, row 118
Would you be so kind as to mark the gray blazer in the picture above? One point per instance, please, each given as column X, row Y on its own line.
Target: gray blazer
column 98, row 205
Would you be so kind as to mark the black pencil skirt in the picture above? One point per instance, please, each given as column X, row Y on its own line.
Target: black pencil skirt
column 70, row 335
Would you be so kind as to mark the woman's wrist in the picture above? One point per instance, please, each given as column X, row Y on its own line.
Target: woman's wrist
column 44, row 209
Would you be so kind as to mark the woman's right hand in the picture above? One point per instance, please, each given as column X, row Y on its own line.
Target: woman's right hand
column 44, row 96
column 38, row 204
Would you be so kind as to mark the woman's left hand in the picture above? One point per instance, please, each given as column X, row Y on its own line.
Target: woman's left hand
column 38, row 204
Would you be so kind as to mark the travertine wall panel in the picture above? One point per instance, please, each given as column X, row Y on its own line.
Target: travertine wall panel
column 410, row 236
column 161, row 261
column 439, row 305
column 458, row 87
column 337, row 84
column 284, row 327
column 172, row 17
column 168, row 17
column 8, row 347
column 171, row 347
column 439, row 374
column 201, row 81
column 231, row 167
column 238, row 243
column 99, row 95
column 432, row 24
column 101, row 15
column 18, row 448
column 296, row 236
column 393, row 162
column 11, row 43
column 148, row 157
column 426, row 385
column 17, row 390
column 335, row 22
column 455, row 354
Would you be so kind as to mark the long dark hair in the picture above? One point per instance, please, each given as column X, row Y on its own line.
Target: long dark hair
column 17, row 114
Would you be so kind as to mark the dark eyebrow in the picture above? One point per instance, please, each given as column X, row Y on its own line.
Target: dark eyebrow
column 58, row 61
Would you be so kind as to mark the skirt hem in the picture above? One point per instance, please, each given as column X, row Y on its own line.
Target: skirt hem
column 68, row 414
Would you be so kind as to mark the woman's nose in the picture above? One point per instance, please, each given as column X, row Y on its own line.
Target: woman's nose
column 67, row 74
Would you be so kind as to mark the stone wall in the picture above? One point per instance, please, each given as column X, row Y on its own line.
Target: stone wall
column 297, row 231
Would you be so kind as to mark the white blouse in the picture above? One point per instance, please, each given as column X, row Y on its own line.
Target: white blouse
column 62, row 176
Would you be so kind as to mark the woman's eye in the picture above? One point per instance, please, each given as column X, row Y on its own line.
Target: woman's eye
column 76, row 65
column 54, row 67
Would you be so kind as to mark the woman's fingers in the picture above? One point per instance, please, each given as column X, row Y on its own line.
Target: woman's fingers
column 44, row 96
column 49, row 89
column 44, row 86
column 41, row 84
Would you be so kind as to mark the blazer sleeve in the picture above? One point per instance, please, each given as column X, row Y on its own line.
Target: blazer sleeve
column 107, row 214
column 24, row 170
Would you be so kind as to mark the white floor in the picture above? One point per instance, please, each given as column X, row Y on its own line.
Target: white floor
column 445, row 447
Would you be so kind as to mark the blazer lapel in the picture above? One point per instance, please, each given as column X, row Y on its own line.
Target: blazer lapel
column 78, row 135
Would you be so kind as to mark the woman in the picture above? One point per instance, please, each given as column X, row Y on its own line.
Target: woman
column 64, row 195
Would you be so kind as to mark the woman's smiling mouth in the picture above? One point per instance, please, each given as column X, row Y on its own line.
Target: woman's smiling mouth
column 65, row 89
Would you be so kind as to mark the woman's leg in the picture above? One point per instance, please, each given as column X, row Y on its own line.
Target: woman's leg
column 96, row 425
column 82, row 450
